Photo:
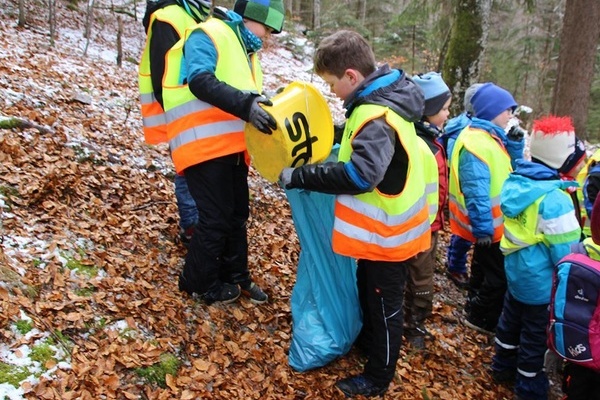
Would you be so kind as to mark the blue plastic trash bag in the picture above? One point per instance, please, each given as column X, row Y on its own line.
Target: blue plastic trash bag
column 325, row 310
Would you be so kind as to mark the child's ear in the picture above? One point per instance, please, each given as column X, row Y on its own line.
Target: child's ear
column 353, row 75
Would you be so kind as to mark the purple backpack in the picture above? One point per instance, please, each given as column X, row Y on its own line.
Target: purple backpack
column 574, row 328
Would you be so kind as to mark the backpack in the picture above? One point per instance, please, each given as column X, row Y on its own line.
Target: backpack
column 574, row 327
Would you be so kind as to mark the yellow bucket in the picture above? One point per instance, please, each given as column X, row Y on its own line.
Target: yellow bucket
column 304, row 131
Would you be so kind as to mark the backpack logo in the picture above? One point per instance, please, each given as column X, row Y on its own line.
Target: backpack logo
column 581, row 296
column 577, row 350
column 575, row 311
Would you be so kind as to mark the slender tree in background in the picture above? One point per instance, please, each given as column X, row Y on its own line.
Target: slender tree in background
column 21, row 13
column 52, row 20
column 578, row 50
column 466, row 47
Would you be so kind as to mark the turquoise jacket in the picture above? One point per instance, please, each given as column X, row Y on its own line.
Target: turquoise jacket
column 529, row 268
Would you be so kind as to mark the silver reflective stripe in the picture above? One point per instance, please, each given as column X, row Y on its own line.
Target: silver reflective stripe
column 433, row 209
column 496, row 222
column 431, row 188
column 527, row 374
column 366, row 236
column 147, row 98
column 205, row 131
column 460, row 223
column 505, row 345
column 155, row 120
column 390, row 242
column 513, row 239
column 377, row 213
column 187, row 108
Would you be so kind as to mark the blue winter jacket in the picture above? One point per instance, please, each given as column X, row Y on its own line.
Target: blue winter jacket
column 529, row 269
column 474, row 177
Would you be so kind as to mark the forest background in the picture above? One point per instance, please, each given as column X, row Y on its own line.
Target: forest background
column 514, row 43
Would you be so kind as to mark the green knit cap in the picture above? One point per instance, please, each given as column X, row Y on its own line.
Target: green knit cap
column 268, row 12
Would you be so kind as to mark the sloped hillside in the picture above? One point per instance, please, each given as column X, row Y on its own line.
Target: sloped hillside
column 89, row 305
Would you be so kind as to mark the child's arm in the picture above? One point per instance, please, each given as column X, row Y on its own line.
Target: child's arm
column 558, row 224
column 373, row 149
column 201, row 62
column 475, row 185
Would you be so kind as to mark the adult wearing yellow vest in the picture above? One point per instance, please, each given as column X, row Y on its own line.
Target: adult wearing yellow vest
column 208, row 93
column 381, row 213
column 165, row 22
column 479, row 165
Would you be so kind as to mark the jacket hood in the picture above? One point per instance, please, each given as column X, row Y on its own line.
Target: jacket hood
column 152, row 6
column 455, row 125
column 528, row 183
column 389, row 88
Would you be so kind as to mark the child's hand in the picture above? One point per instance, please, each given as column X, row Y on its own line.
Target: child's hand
column 261, row 119
column 285, row 178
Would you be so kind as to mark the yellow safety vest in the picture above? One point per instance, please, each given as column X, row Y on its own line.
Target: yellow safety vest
column 153, row 117
column 432, row 178
column 520, row 231
column 581, row 176
column 592, row 248
column 198, row 131
column 491, row 152
column 377, row 226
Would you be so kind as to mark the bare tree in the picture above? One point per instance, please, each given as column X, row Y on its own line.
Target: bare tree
column 21, row 13
column 362, row 11
column 88, row 24
column 578, row 49
column 119, row 41
column 468, row 38
column 316, row 14
column 52, row 19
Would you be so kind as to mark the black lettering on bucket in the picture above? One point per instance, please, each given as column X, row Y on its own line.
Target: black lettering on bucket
column 296, row 133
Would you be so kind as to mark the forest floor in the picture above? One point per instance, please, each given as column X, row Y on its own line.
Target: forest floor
column 89, row 305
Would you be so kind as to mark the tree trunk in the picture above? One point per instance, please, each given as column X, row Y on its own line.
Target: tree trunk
column 52, row 20
column 316, row 14
column 578, row 41
column 88, row 20
column 119, row 41
column 88, row 25
column 21, row 13
column 466, row 47
column 362, row 11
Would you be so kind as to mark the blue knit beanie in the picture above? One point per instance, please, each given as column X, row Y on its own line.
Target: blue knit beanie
column 435, row 90
column 490, row 101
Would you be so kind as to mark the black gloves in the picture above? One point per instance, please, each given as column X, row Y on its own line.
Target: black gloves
column 515, row 133
column 485, row 241
column 262, row 120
